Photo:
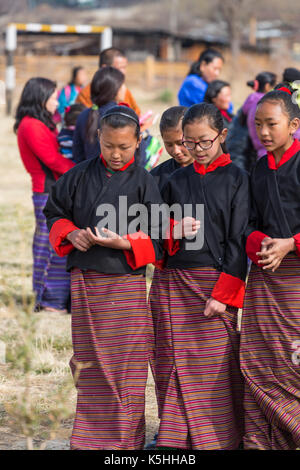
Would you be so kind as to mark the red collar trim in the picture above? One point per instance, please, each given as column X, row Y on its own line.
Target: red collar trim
column 222, row 160
column 225, row 114
column 123, row 167
column 290, row 152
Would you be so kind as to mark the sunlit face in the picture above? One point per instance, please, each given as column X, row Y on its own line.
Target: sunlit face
column 202, row 131
column 223, row 100
column 211, row 71
column 273, row 126
column 52, row 103
column 120, row 63
column 81, row 78
column 118, row 145
column 172, row 138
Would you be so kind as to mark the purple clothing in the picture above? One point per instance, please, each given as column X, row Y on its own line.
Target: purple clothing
column 51, row 281
column 296, row 135
column 249, row 108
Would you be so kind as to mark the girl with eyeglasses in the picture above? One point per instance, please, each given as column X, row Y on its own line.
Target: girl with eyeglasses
column 198, row 379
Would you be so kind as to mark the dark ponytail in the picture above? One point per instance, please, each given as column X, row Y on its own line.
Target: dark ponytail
column 261, row 80
column 104, row 88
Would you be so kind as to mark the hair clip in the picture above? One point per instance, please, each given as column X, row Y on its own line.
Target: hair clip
column 95, row 107
column 67, row 109
column 286, row 90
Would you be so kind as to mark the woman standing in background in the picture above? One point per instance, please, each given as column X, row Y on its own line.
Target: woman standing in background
column 38, row 148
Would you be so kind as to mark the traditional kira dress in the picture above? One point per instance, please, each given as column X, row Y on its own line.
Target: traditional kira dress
column 270, row 334
column 110, row 324
column 198, row 379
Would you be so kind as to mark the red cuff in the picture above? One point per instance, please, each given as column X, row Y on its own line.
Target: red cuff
column 253, row 245
column 297, row 241
column 58, row 233
column 171, row 245
column 229, row 290
column 142, row 251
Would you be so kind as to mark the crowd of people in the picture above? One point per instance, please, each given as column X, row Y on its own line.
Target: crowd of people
column 219, row 385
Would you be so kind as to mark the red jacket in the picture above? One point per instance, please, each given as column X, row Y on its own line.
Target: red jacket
column 39, row 151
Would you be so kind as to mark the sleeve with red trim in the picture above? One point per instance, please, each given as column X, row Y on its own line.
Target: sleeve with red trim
column 297, row 241
column 147, row 245
column 253, row 245
column 230, row 287
column 142, row 251
column 58, row 233
column 229, row 290
column 44, row 145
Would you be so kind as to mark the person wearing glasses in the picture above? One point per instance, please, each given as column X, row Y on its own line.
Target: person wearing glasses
column 198, row 380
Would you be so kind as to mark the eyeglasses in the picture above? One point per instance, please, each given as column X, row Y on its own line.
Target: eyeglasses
column 203, row 144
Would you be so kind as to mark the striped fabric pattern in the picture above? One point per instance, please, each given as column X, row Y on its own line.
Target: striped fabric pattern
column 270, row 338
column 110, row 331
column 198, row 380
column 51, row 281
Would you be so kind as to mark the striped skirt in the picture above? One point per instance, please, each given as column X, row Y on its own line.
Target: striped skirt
column 198, row 380
column 51, row 282
column 270, row 357
column 110, row 331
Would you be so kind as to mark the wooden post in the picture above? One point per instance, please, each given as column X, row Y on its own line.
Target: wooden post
column 150, row 71
column 10, row 73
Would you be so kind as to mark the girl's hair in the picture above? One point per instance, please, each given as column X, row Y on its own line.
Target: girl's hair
column 214, row 89
column 34, row 97
column 75, row 71
column 72, row 112
column 290, row 75
column 208, row 111
column 171, row 118
column 206, row 56
column 261, row 80
column 104, row 88
column 120, row 116
column 283, row 95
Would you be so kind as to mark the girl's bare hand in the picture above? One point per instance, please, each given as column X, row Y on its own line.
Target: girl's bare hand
column 274, row 250
column 80, row 239
column 188, row 227
column 108, row 239
column 213, row 308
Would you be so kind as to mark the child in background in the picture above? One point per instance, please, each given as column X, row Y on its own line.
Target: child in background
column 171, row 132
column 218, row 93
column 270, row 331
column 65, row 136
column 263, row 83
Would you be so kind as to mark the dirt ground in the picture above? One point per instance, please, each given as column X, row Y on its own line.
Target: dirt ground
column 49, row 335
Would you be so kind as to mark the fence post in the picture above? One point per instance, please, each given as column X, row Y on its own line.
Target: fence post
column 10, row 72
column 106, row 39
column 150, row 70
